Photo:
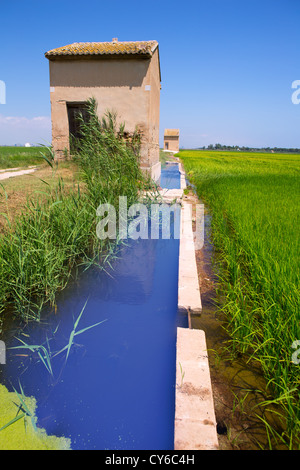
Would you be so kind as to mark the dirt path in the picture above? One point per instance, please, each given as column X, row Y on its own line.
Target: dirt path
column 12, row 172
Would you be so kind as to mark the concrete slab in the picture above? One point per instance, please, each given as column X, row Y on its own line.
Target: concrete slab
column 189, row 299
column 182, row 176
column 171, row 195
column 195, row 421
column 167, row 196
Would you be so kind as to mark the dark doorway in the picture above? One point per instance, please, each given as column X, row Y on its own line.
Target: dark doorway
column 74, row 111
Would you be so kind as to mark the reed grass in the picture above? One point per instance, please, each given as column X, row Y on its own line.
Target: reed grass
column 109, row 158
column 254, row 199
column 43, row 352
column 75, row 333
column 56, row 232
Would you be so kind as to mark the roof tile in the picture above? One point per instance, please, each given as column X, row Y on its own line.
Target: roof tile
column 142, row 48
column 171, row 132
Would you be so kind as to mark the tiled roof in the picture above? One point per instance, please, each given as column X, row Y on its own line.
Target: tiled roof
column 171, row 132
column 140, row 48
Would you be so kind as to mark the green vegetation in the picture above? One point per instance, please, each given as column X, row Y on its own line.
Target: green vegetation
column 14, row 157
column 251, row 149
column 56, row 231
column 44, row 354
column 42, row 245
column 15, row 192
column 18, row 430
column 254, row 200
column 109, row 160
column 166, row 156
column 39, row 250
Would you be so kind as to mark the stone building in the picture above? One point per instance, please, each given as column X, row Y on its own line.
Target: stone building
column 122, row 76
column 171, row 140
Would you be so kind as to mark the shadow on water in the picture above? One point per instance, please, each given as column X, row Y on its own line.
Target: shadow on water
column 115, row 387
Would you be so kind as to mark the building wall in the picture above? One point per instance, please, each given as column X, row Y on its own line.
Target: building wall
column 131, row 87
column 154, row 114
column 173, row 143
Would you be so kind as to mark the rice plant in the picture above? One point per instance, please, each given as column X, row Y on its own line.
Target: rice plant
column 254, row 200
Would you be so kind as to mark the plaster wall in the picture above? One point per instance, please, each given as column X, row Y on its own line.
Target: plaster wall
column 129, row 86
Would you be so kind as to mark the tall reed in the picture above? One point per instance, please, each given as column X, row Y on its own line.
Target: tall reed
column 109, row 158
column 57, row 229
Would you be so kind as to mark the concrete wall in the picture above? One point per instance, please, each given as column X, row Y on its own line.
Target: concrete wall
column 129, row 86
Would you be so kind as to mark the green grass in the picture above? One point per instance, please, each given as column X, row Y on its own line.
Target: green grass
column 43, row 246
column 165, row 156
column 255, row 203
column 14, row 157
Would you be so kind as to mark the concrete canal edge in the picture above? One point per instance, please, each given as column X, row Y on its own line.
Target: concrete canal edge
column 189, row 299
column 195, row 421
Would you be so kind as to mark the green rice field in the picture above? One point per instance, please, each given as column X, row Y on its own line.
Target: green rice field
column 13, row 157
column 255, row 206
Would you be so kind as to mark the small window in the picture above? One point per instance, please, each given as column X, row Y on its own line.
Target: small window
column 167, row 146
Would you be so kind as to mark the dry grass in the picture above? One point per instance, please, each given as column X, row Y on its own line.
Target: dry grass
column 15, row 192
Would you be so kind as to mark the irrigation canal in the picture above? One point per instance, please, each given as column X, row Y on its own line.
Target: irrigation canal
column 116, row 390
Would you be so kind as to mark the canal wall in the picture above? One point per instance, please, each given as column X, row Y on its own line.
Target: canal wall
column 195, row 422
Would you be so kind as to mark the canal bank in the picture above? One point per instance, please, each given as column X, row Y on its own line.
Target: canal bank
column 107, row 378
column 245, row 411
column 115, row 345
column 195, row 421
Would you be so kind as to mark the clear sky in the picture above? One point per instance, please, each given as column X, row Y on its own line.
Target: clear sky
column 227, row 66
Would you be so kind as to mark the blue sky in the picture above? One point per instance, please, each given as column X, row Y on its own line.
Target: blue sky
column 227, row 66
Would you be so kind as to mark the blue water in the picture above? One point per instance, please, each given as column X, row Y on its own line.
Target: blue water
column 116, row 390
column 170, row 177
